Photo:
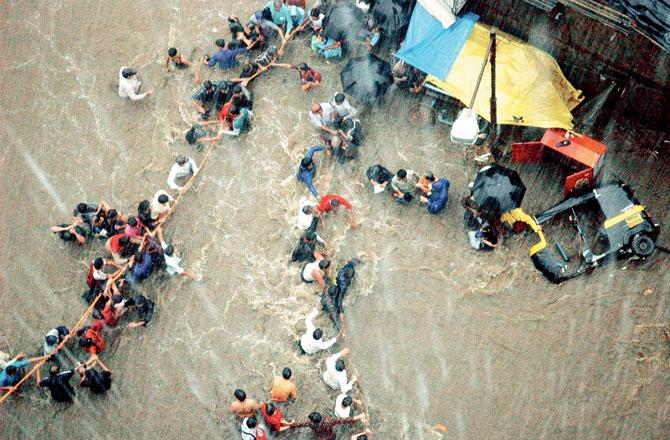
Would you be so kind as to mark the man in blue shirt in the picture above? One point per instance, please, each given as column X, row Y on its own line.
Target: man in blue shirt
column 141, row 268
column 307, row 169
column 13, row 372
column 225, row 57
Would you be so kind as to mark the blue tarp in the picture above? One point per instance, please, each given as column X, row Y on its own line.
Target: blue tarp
column 430, row 47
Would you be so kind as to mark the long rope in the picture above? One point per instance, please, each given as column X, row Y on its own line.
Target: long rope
column 115, row 277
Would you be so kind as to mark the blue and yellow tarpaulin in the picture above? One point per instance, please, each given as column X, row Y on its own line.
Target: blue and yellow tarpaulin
column 531, row 90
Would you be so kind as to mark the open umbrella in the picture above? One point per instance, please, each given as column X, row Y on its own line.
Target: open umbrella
column 391, row 15
column 343, row 23
column 366, row 78
column 497, row 190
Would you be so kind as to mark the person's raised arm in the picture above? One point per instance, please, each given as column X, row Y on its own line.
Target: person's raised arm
column 354, row 225
column 167, row 62
column 308, row 322
column 198, row 106
column 194, row 166
column 171, row 181
column 80, row 238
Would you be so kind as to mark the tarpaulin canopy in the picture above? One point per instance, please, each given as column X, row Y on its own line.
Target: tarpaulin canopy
column 530, row 87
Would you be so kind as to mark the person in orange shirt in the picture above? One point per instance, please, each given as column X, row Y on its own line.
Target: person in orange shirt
column 243, row 407
column 282, row 387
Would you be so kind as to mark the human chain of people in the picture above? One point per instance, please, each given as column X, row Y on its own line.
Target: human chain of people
column 135, row 245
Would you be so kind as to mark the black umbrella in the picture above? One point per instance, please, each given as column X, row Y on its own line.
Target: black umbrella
column 343, row 23
column 366, row 78
column 391, row 15
column 497, row 190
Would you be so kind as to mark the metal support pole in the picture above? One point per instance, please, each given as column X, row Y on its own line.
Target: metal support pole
column 493, row 104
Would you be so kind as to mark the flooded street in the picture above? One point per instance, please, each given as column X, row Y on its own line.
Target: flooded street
column 439, row 333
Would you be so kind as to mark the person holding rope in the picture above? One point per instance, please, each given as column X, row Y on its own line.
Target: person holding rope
column 14, row 371
column 323, row 428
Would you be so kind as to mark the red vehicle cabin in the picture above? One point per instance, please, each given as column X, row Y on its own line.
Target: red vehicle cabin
column 581, row 152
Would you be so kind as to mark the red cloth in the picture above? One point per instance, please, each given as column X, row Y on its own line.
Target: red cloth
column 324, row 204
column 274, row 420
column 94, row 333
column 300, row 3
column 114, row 244
column 90, row 281
column 225, row 116
column 108, row 315
column 310, row 75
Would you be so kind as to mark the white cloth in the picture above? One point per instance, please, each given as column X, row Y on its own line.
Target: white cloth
column 49, row 348
column 345, row 110
column 307, row 341
column 304, row 220
column 317, row 22
column 178, row 171
column 157, row 208
column 250, row 433
column 318, row 120
column 172, row 263
column 99, row 274
column 342, row 411
column 307, row 271
column 475, row 242
column 336, row 379
column 128, row 87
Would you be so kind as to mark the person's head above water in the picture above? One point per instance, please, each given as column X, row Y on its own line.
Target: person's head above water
column 169, row 250
column 310, row 235
column 430, row 177
column 128, row 72
column 208, row 85
column 267, row 14
column 339, row 98
column 172, row 52
column 270, row 409
column 234, row 110
column 132, row 221
column 220, row 43
column 53, row 371
column 240, row 395
column 314, row 12
column 286, row 373
column 252, row 422
column 181, row 160
column 347, row 401
column 332, row 291
column 316, row 108
column 144, row 206
column 306, row 162
column 308, row 209
column 317, row 334
column 163, row 199
column 315, row 417
column 334, row 203
column 112, row 214
column 124, row 241
column 324, row 264
column 11, row 370
column 277, row 5
column 82, row 208
column 237, row 89
column 303, row 67
column 339, row 365
column 97, row 263
column 402, row 174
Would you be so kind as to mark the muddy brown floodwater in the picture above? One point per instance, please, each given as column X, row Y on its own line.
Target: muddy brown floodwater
column 438, row 333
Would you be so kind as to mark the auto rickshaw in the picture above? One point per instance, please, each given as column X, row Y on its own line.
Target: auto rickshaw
column 626, row 229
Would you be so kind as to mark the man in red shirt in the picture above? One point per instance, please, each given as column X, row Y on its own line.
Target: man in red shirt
column 91, row 337
column 331, row 202
column 273, row 417
column 309, row 78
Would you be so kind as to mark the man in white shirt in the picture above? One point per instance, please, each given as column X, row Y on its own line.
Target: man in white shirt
column 173, row 262
column 312, row 341
column 183, row 167
column 252, row 430
column 160, row 204
column 343, row 109
column 129, row 85
column 343, row 405
column 335, row 375
column 322, row 116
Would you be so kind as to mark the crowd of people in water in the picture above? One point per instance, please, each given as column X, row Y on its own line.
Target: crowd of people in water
column 135, row 245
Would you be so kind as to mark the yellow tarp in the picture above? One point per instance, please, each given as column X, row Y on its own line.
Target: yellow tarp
column 530, row 87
